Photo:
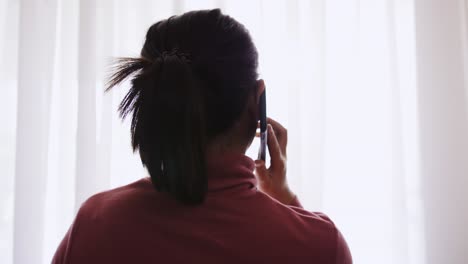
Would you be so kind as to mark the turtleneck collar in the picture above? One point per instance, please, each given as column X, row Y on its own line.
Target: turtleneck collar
column 230, row 170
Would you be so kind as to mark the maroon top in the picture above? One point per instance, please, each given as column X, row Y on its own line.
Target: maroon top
column 236, row 224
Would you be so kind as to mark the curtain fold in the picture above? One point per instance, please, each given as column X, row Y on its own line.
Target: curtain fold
column 311, row 74
column 373, row 93
column 399, row 206
column 60, row 194
column 36, row 52
column 443, row 128
column 86, row 180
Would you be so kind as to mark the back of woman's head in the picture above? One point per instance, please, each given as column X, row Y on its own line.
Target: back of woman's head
column 190, row 85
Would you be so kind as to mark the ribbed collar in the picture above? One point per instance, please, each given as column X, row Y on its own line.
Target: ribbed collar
column 230, row 170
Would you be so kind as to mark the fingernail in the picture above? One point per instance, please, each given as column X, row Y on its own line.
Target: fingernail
column 270, row 128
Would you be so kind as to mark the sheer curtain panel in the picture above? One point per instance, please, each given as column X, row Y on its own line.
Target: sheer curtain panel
column 373, row 93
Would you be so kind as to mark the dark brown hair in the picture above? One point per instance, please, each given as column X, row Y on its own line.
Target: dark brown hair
column 190, row 84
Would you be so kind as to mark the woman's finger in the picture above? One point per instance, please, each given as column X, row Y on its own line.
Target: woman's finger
column 274, row 148
column 276, row 125
column 281, row 133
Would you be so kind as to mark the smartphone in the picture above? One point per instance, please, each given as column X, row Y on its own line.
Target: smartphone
column 263, row 127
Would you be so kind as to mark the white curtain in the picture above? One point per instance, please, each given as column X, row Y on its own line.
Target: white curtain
column 373, row 93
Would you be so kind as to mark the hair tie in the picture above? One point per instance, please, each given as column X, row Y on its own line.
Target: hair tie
column 175, row 52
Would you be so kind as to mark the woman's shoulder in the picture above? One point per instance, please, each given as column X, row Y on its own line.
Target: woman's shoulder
column 119, row 196
column 311, row 230
column 295, row 212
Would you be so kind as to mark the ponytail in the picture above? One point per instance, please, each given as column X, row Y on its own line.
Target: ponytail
column 181, row 102
column 168, row 124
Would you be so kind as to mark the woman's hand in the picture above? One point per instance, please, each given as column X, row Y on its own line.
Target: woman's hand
column 272, row 181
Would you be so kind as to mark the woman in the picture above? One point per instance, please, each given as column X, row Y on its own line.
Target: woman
column 194, row 104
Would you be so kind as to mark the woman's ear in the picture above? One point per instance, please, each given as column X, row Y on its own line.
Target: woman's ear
column 252, row 107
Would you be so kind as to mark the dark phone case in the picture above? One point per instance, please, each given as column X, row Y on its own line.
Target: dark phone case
column 263, row 127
